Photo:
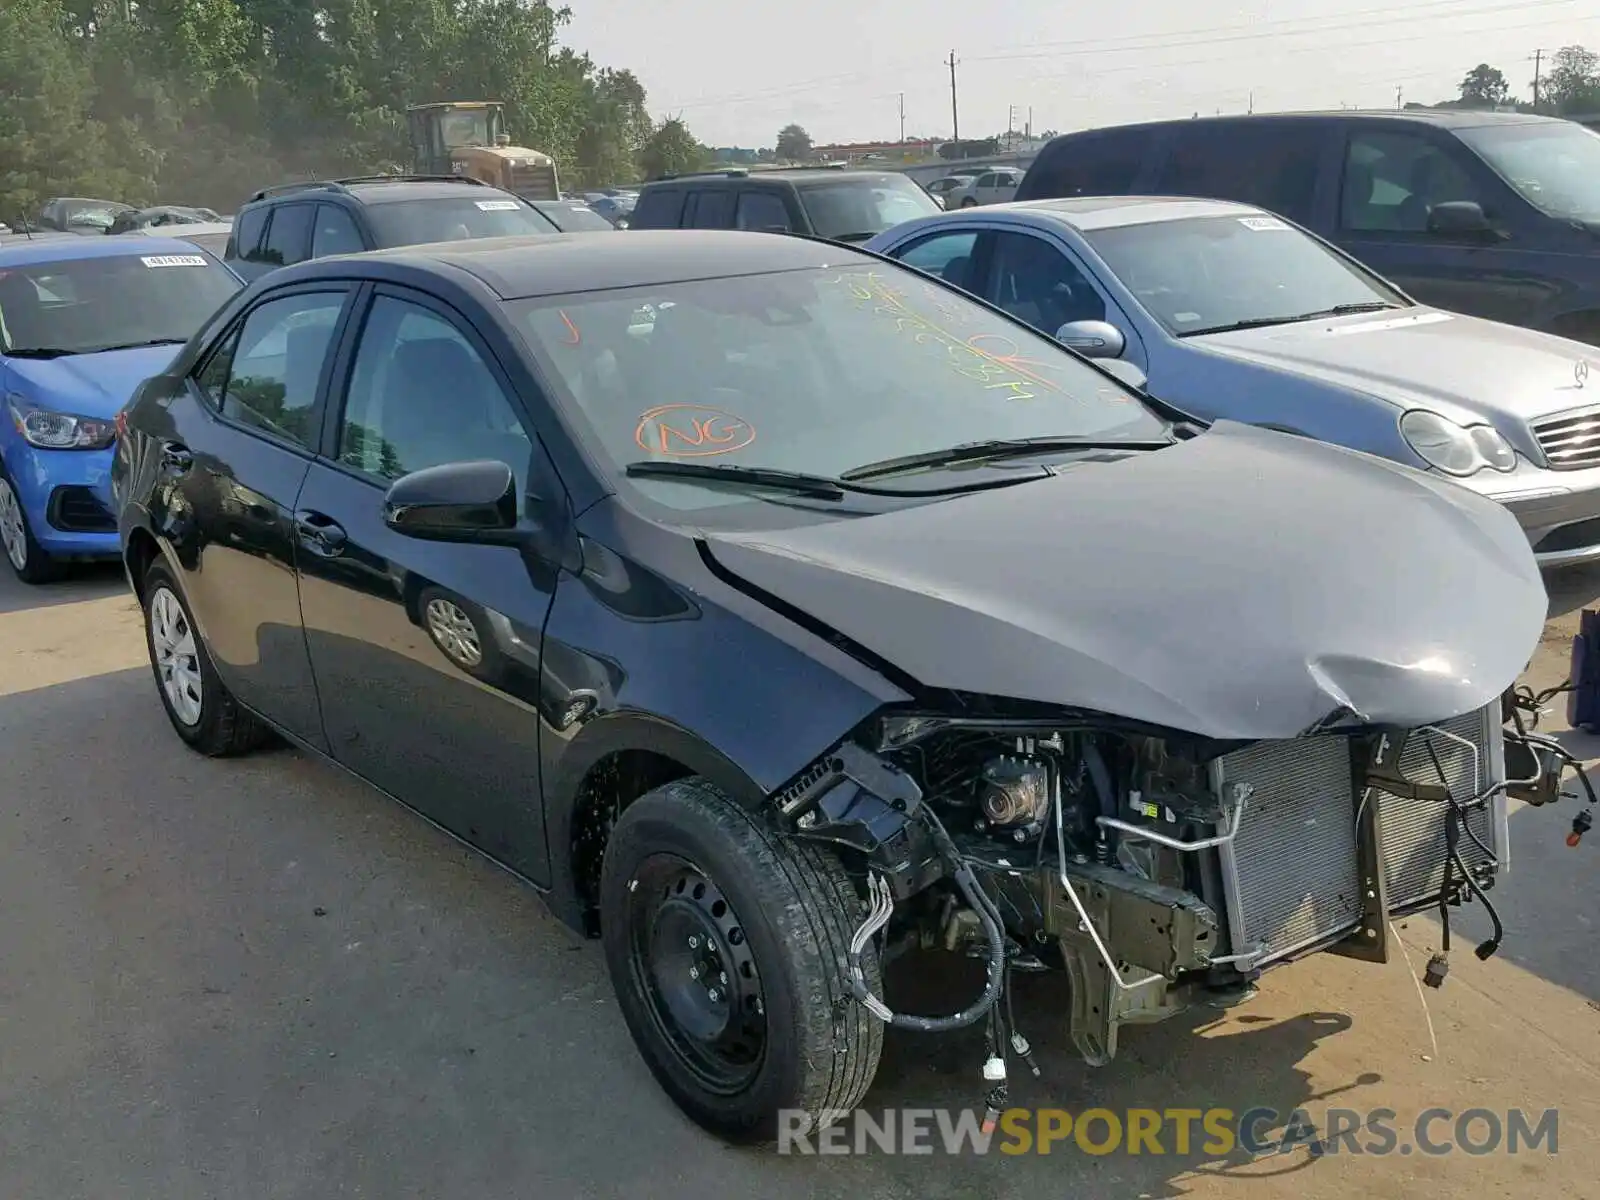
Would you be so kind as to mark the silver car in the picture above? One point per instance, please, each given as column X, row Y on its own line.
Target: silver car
column 1227, row 311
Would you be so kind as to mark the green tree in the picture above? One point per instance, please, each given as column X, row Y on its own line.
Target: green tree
column 671, row 149
column 1573, row 84
column 1484, row 87
column 794, row 144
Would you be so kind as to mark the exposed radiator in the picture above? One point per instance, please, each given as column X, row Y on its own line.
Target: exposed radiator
column 1291, row 875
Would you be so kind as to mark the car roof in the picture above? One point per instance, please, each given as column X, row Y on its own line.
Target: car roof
column 550, row 264
column 188, row 229
column 70, row 248
column 1089, row 213
column 1445, row 118
column 384, row 191
column 798, row 175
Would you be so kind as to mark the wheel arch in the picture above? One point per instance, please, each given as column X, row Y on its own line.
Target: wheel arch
column 615, row 759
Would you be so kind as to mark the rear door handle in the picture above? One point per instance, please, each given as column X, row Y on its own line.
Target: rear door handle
column 319, row 533
column 176, row 457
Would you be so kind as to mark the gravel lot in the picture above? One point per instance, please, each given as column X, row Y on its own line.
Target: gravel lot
column 262, row 979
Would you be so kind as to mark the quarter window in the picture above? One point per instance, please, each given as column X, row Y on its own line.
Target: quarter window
column 421, row 396
column 266, row 373
column 1392, row 180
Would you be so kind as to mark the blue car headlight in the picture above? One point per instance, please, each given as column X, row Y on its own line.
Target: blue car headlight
column 46, row 429
column 1456, row 449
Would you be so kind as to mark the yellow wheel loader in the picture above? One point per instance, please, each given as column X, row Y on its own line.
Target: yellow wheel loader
column 469, row 138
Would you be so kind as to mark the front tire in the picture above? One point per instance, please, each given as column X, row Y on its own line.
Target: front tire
column 22, row 551
column 727, row 947
column 969, row 202
column 202, row 710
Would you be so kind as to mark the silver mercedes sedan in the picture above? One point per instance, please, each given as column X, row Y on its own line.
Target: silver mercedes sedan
column 1227, row 311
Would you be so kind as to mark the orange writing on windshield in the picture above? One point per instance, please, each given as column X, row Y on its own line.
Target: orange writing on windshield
column 691, row 431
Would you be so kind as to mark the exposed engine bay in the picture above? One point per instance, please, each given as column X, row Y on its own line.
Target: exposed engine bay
column 1160, row 869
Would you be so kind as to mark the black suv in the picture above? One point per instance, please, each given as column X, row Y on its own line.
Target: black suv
column 847, row 206
column 1492, row 214
column 296, row 221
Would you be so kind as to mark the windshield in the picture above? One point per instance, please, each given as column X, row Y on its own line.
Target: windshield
column 814, row 370
column 89, row 304
column 858, row 208
column 1206, row 273
column 573, row 217
column 1555, row 166
column 453, row 218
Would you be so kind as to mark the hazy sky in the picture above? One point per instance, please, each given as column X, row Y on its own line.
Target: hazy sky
column 738, row 71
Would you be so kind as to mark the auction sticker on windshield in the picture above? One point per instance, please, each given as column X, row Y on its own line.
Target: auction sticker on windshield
column 497, row 205
column 1260, row 223
column 174, row 260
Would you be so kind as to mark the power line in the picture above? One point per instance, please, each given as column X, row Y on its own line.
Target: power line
column 1090, row 48
column 1081, row 50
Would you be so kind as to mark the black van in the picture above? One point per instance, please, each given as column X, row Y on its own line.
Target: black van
column 1492, row 214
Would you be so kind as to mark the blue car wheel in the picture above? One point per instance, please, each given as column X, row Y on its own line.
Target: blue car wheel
column 22, row 551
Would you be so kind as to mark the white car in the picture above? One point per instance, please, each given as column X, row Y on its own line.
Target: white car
column 992, row 187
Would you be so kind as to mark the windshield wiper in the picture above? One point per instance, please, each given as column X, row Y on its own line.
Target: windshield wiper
column 40, row 352
column 1338, row 310
column 772, row 477
column 995, row 448
column 137, row 345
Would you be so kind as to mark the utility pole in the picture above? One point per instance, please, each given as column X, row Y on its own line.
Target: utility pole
column 1399, row 92
column 955, row 115
column 1028, row 133
column 1011, row 125
column 1538, row 63
column 1251, row 103
column 902, row 118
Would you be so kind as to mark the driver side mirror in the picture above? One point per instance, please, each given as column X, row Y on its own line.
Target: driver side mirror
column 455, row 502
column 1092, row 339
column 1458, row 218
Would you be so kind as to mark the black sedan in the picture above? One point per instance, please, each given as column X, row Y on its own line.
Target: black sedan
column 774, row 607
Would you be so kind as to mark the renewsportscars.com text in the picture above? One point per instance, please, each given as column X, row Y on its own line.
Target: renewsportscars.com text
column 1211, row 1133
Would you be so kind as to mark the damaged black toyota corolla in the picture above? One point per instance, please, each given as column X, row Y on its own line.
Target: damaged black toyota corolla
column 778, row 609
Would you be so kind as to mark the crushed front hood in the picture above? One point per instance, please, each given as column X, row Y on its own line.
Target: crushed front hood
column 1245, row 584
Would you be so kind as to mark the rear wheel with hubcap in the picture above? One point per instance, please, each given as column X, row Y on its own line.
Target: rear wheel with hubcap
column 201, row 709
column 31, row 564
column 727, row 947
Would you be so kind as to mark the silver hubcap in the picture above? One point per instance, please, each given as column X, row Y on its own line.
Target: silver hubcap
column 454, row 632
column 12, row 534
column 177, row 661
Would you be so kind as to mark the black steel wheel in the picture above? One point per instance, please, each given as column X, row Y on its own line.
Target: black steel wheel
column 692, row 963
column 727, row 947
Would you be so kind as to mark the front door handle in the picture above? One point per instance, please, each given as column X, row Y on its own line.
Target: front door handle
column 176, row 457
column 319, row 533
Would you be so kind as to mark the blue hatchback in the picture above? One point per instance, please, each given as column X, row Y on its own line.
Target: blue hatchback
column 83, row 321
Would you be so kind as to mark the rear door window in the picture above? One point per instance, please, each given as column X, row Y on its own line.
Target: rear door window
column 1270, row 165
column 762, row 210
column 713, row 209
column 288, row 236
column 1102, row 164
column 335, row 233
column 658, row 208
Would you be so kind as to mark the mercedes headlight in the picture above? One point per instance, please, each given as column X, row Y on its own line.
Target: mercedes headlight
column 48, row 430
column 1456, row 449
